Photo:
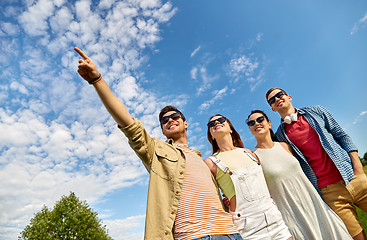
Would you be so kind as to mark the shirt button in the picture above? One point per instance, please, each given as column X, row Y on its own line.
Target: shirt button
column 166, row 232
column 181, row 172
column 238, row 215
column 230, row 173
column 177, row 192
column 165, row 155
column 172, row 212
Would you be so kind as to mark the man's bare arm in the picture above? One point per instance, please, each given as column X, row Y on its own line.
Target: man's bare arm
column 88, row 71
column 357, row 165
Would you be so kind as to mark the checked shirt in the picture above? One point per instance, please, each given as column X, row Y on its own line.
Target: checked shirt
column 333, row 138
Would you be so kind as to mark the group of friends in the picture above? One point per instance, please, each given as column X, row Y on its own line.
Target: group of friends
column 303, row 182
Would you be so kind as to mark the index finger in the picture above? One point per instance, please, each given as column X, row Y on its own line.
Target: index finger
column 81, row 53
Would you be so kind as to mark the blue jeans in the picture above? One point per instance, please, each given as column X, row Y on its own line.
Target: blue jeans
column 236, row 236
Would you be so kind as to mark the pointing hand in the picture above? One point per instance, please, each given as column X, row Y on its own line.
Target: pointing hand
column 86, row 68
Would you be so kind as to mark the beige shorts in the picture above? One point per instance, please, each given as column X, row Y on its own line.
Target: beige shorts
column 342, row 199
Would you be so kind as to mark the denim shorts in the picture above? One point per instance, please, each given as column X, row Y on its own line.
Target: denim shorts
column 236, row 236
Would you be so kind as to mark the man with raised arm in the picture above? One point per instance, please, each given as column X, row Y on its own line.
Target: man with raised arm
column 183, row 199
column 327, row 156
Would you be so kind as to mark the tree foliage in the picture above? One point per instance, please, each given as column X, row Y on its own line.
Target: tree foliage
column 69, row 219
column 364, row 159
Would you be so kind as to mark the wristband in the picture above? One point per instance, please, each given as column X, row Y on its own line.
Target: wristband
column 95, row 79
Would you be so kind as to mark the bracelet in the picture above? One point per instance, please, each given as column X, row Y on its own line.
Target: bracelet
column 96, row 79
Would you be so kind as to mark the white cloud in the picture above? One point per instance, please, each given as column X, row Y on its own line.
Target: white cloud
column 206, row 80
column 258, row 79
column 359, row 117
column 61, row 20
column 18, row 87
column 35, row 63
column 34, row 20
column 105, row 4
column 259, row 37
column 3, row 92
column 149, row 4
column 360, row 23
column 247, row 68
column 193, row 72
column 218, row 94
column 59, row 3
column 164, row 13
column 56, row 135
column 43, row 162
column 125, row 227
column 9, row 28
column 10, row 11
column 243, row 66
column 9, row 52
column 195, row 51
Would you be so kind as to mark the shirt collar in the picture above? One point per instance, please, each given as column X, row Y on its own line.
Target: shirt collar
column 298, row 111
column 170, row 141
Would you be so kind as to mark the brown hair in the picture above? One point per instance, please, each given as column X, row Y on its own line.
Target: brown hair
column 272, row 89
column 167, row 109
column 236, row 139
column 272, row 135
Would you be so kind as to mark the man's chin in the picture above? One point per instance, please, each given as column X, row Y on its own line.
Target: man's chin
column 171, row 134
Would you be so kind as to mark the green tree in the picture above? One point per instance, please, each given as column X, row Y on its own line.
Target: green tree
column 364, row 159
column 69, row 219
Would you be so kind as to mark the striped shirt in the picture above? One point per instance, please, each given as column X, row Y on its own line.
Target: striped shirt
column 200, row 212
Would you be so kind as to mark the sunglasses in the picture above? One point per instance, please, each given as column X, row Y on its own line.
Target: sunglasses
column 278, row 95
column 212, row 122
column 258, row 120
column 174, row 116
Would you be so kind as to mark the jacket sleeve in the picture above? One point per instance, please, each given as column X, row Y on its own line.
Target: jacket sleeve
column 141, row 142
column 333, row 127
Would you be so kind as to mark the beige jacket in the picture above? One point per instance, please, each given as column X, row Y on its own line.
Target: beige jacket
column 166, row 166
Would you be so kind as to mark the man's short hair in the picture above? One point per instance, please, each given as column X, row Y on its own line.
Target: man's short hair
column 167, row 109
column 272, row 89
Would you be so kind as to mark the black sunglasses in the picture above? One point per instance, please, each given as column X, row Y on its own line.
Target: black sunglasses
column 220, row 120
column 174, row 116
column 278, row 95
column 258, row 120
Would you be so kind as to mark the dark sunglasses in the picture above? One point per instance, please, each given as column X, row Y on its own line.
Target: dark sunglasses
column 258, row 120
column 174, row 116
column 278, row 95
column 220, row 120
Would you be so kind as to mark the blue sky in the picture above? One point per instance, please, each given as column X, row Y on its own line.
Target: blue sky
column 205, row 57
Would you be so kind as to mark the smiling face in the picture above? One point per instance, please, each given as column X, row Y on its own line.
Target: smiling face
column 280, row 103
column 260, row 127
column 219, row 126
column 174, row 127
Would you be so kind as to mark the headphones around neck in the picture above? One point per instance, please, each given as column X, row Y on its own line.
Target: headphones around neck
column 292, row 118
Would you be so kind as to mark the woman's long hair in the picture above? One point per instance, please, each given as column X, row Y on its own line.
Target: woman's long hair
column 236, row 139
column 272, row 135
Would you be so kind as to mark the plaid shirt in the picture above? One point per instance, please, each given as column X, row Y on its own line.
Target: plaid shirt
column 333, row 138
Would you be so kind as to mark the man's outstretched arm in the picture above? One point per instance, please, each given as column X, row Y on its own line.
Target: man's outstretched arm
column 88, row 71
